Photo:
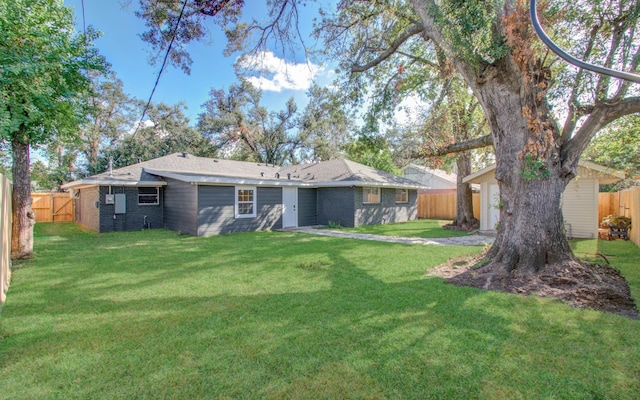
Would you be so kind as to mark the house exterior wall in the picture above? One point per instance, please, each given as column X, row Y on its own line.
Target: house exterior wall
column 580, row 208
column 216, row 210
column 387, row 211
column 337, row 204
column 87, row 214
column 134, row 217
column 181, row 207
column 307, row 207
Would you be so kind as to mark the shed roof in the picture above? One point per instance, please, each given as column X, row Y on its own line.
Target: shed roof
column 603, row 174
column 438, row 173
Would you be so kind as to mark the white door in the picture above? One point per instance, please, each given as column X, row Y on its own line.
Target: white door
column 494, row 209
column 289, row 207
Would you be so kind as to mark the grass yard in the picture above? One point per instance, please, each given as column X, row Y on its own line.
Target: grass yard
column 423, row 228
column 281, row 315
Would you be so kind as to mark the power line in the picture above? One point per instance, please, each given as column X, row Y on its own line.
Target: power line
column 164, row 63
column 571, row 59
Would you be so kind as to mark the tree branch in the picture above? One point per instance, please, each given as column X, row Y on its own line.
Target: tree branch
column 476, row 143
column 411, row 31
column 600, row 117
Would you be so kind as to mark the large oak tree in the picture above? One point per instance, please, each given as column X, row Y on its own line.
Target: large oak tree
column 517, row 82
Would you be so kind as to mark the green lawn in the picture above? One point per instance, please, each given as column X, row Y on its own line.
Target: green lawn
column 278, row 315
column 424, row 228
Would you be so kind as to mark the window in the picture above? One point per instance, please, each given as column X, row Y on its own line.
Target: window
column 245, row 202
column 402, row 195
column 371, row 195
column 148, row 196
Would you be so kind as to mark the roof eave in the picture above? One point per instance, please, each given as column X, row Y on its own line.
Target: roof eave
column 84, row 183
column 222, row 180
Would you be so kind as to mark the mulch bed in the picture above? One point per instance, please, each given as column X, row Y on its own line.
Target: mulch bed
column 580, row 284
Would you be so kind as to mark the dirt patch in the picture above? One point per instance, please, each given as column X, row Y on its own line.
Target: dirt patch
column 580, row 284
column 470, row 226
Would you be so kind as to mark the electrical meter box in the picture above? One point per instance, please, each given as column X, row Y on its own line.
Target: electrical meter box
column 121, row 203
column 109, row 199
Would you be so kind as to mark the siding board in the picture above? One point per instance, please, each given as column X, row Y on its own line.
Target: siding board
column 336, row 204
column 135, row 215
column 387, row 211
column 216, row 210
column 307, row 207
column 580, row 208
column 180, row 207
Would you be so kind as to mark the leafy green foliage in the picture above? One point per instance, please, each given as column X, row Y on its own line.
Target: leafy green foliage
column 469, row 26
column 58, row 169
column 236, row 122
column 534, row 168
column 373, row 151
column 334, row 225
column 111, row 116
column 43, row 68
column 167, row 132
column 325, row 124
column 618, row 148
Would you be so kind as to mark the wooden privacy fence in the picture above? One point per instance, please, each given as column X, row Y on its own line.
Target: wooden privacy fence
column 443, row 205
column 608, row 204
column 53, row 207
column 625, row 203
column 5, row 236
column 629, row 206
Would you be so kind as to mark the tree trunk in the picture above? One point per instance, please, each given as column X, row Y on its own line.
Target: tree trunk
column 23, row 216
column 531, row 175
column 464, row 199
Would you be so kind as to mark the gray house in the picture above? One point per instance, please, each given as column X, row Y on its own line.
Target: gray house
column 205, row 196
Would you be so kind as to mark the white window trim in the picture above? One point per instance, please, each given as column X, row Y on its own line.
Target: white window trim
column 255, row 201
column 405, row 201
column 148, row 194
column 364, row 197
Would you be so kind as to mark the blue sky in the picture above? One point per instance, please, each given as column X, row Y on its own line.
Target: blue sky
column 129, row 55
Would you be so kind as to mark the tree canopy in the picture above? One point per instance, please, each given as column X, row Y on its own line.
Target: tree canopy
column 43, row 88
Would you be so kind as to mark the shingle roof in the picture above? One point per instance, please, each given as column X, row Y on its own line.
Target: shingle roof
column 427, row 172
column 191, row 168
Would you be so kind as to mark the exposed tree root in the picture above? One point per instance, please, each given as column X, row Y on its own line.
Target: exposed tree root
column 468, row 226
column 580, row 284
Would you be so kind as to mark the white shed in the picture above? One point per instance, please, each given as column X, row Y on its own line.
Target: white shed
column 579, row 200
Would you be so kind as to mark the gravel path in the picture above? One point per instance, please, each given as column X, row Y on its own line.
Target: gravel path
column 471, row 240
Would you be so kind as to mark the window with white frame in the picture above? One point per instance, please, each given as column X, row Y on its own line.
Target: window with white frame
column 245, row 202
column 402, row 195
column 148, row 196
column 371, row 195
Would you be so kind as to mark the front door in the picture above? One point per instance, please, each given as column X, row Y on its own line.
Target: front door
column 289, row 207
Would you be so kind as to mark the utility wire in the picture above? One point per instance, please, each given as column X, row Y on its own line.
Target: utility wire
column 571, row 59
column 164, row 63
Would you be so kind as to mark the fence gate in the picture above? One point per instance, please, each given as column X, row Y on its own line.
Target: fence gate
column 53, row 207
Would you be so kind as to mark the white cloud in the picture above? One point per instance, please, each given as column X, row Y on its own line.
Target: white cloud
column 270, row 73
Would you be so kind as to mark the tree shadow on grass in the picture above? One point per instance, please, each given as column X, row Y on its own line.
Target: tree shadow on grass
column 318, row 318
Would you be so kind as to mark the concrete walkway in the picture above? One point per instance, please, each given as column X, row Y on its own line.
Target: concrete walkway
column 471, row 240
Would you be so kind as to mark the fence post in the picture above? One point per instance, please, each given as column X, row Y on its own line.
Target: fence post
column 5, row 236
